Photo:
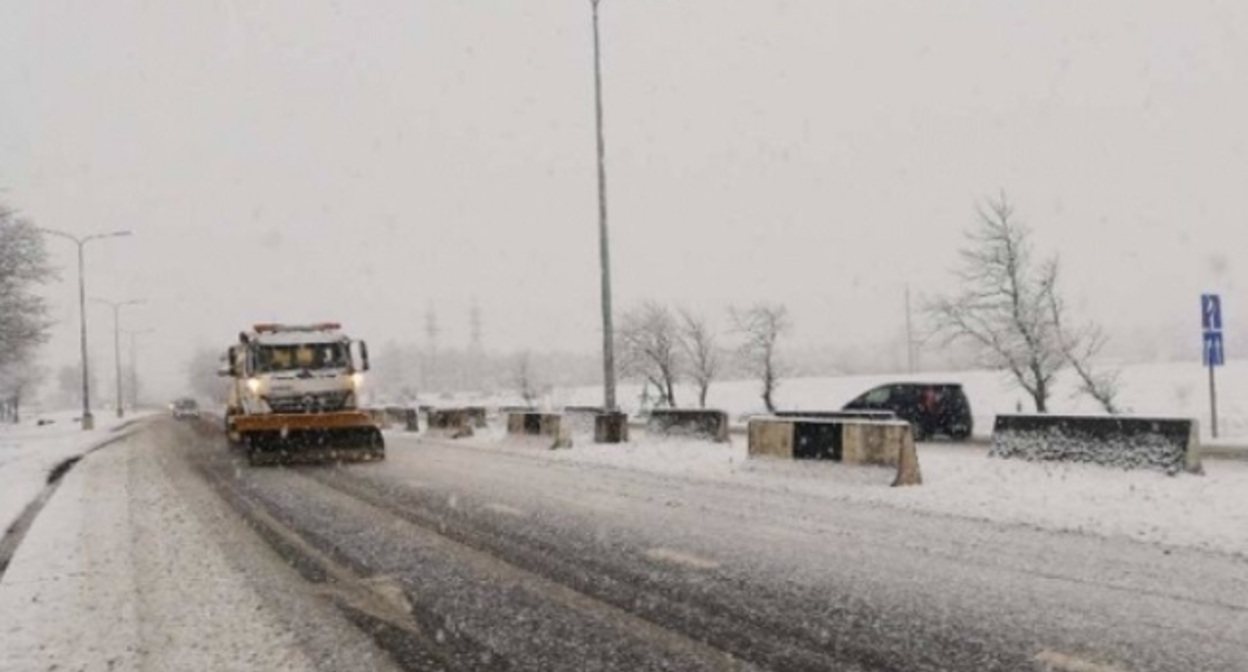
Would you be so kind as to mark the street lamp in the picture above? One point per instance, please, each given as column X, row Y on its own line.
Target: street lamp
column 88, row 422
column 608, row 333
column 134, row 363
column 117, row 306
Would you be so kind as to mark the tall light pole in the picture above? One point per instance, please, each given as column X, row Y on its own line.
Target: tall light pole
column 909, row 334
column 604, row 248
column 117, row 306
column 88, row 422
column 134, row 363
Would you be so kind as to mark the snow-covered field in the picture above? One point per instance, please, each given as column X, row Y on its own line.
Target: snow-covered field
column 1207, row 512
column 28, row 452
column 1165, row 389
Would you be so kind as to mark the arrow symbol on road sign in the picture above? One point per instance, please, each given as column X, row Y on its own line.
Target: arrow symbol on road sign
column 1213, row 350
column 1211, row 312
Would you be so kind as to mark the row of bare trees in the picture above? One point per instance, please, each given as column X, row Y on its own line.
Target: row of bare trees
column 662, row 347
column 1011, row 312
column 24, row 322
column 1009, row 309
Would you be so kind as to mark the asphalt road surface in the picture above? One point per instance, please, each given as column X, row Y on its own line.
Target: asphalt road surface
column 448, row 557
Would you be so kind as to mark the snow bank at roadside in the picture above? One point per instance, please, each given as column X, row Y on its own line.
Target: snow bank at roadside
column 129, row 569
column 1208, row 512
column 28, row 452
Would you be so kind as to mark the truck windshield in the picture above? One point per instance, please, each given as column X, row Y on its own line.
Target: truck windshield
column 305, row 356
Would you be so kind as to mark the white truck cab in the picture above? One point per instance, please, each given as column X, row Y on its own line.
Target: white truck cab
column 296, row 389
column 296, row 369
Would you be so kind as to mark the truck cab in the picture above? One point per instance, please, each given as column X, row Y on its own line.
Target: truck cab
column 295, row 390
column 296, row 369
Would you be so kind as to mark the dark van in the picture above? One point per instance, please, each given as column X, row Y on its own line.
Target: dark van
column 932, row 408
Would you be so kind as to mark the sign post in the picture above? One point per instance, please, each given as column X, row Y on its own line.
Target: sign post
column 1213, row 351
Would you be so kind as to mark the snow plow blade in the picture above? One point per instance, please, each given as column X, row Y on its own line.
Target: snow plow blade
column 313, row 437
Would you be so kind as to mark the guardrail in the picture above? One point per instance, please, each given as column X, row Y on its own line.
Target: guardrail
column 887, row 443
column 1166, row 444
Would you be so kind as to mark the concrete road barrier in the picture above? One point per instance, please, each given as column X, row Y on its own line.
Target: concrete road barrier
column 397, row 415
column 457, row 422
column 591, row 410
column 581, row 419
column 549, row 426
column 837, row 415
column 477, row 416
column 694, row 422
column 411, row 420
column 1166, row 444
column 888, row 443
column 611, row 428
column 379, row 417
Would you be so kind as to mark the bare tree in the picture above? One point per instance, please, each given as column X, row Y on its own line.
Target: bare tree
column 1009, row 309
column 523, row 378
column 1081, row 346
column 23, row 314
column 24, row 266
column 18, row 381
column 69, row 384
column 701, row 351
column 761, row 327
column 648, row 344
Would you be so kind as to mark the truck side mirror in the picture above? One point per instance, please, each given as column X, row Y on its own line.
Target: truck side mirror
column 227, row 367
column 363, row 356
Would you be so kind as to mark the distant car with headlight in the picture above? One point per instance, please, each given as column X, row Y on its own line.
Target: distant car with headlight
column 185, row 408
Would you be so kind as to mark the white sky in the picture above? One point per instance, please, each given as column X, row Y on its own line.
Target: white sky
column 360, row 161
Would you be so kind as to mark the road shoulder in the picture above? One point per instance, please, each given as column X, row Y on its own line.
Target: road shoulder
column 135, row 564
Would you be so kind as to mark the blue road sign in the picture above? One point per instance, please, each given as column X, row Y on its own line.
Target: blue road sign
column 1211, row 312
column 1214, row 354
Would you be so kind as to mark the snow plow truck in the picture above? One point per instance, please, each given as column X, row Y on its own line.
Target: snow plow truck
column 294, row 395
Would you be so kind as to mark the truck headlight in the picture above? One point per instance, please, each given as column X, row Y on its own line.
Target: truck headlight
column 357, row 380
column 253, row 384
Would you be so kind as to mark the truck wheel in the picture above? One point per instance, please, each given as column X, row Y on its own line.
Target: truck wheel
column 376, row 445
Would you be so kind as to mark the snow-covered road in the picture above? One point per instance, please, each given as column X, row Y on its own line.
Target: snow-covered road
column 28, row 452
column 488, row 556
column 135, row 564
